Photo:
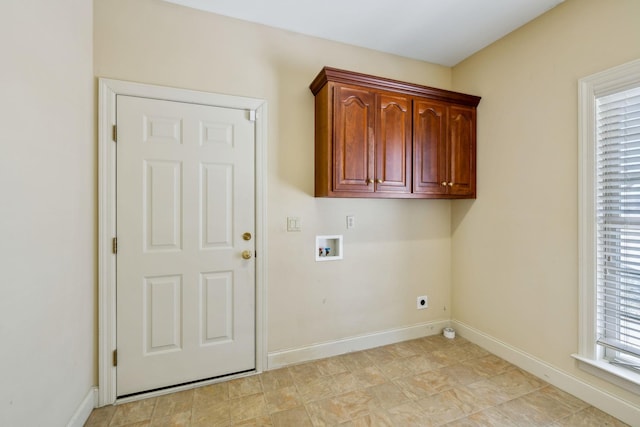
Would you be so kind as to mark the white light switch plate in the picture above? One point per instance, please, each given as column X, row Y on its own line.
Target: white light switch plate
column 294, row 223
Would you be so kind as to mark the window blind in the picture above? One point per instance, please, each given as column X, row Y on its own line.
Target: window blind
column 618, row 221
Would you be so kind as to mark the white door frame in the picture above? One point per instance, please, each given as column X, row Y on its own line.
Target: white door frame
column 108, row 89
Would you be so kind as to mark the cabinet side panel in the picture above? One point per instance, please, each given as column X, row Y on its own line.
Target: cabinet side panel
column 323, row 141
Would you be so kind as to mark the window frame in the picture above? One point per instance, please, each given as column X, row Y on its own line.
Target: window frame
column 590, row 356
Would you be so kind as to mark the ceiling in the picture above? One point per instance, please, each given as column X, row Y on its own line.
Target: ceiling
column 439, row 31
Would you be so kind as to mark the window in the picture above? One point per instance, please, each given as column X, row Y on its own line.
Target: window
column 618, row 226
column 610, row 225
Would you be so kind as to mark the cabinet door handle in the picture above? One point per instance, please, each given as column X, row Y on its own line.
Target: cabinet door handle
column 443, row 183
column 451, row 184
column 369, row 181
column 379, row 181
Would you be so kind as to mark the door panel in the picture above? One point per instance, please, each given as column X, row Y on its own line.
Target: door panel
column 163, row 308
column 393, row 144
column 162, row 183
column 185, row 196
column 353, row 150
column 217, row 307
column 217, row 188
column 462, row 140
column 430, row 147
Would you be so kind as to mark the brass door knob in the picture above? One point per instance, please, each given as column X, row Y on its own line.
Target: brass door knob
column 379, row 181
column 369, row 181
column 246, row 236
column 246, row 254
column 444, row 184
column 451, row 184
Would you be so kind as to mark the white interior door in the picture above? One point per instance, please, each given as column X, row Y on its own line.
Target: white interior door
column 185, row 199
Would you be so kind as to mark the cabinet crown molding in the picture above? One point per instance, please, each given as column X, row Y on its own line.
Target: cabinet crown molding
column 329, row 74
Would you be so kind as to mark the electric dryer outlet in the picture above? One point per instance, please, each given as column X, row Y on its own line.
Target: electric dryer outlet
column 422, row 302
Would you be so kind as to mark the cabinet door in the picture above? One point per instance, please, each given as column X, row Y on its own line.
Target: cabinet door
column 354, row 115
column 429, row 147
column 393, row 144
column 462, row 146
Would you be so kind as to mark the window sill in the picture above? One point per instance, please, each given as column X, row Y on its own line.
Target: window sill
column 621, row 377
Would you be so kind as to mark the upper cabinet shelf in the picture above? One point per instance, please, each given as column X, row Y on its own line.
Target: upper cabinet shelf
column 382, row 138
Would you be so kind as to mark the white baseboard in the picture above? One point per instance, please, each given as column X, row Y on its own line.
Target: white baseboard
column 84, row 409
column 283, row 358
column 625, row 411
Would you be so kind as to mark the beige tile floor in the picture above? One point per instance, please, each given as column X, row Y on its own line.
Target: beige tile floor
column 430, row 381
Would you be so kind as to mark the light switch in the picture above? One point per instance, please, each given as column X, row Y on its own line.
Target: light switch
column 294, row 223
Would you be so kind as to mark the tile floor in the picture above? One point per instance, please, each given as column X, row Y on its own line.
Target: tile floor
column 430, row 381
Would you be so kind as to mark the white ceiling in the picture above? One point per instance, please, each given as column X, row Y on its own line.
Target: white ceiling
column 439, row 31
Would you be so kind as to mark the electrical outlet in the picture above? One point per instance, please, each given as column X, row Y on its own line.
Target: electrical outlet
column 422, row 302
column 351, row 221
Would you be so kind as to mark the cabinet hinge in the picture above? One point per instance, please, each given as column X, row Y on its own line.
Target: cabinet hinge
column 114, row 132
column 114, row 245
column 115, row 357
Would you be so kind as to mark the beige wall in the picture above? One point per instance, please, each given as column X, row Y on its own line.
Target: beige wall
column 47, row 211
column 398, row 249
column 515, row 249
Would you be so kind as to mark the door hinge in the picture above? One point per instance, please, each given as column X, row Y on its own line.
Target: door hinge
column 115, row 357
column 114, row 132
column 252, row 115
column 114, row 245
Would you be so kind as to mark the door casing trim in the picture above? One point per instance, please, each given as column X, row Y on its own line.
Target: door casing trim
column 108, row 89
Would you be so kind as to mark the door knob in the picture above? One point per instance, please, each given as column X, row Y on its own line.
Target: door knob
column 246, row 236
column 379, row 181
column 369, row 181
column 246, row 254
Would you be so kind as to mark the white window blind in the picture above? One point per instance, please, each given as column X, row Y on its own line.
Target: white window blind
column 618, row 223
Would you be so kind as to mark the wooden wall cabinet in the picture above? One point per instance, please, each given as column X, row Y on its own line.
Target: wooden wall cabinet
column 382, row 138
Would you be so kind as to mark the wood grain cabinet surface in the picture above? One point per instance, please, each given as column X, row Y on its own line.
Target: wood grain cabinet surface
column 382, row 138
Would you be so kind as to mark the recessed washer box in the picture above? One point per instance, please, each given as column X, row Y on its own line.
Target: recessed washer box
column 328, row 248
